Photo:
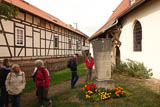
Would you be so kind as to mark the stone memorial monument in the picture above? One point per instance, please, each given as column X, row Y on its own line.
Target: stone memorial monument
column 102, row 58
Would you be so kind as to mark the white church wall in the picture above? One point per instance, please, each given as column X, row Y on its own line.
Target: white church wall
column 148, row 15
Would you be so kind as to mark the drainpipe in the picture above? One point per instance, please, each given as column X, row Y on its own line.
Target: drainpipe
column 110, row 26
column 116, row 20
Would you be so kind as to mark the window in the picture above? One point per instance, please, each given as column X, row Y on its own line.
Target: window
column 78, row 45
column 56, row 42
column 19, row 37
column 69, row 43
column 137, row 37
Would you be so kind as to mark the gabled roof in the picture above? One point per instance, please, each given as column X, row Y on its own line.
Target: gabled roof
column 38, row 12
column 123, row 8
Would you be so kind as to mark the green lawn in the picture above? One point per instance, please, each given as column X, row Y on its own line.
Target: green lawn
column 57, row 77
column 141, row 96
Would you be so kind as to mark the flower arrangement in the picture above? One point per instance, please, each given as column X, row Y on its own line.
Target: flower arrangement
column 91, row 92
column 117, row 92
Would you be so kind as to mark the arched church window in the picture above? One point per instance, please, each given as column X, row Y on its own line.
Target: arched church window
column 137, row 36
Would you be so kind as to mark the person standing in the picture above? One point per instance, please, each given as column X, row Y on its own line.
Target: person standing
column 41, row 77
column 15, row 84
column 4, row 70
column 72, row 64
column 89, row 61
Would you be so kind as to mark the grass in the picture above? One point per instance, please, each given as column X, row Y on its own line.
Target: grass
column 57, row 77
column 141, row 96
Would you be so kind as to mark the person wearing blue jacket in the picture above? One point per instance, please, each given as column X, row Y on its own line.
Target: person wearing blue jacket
column 4, row 70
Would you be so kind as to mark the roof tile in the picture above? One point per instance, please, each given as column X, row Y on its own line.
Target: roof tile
column 38, row 12
column 122, row 8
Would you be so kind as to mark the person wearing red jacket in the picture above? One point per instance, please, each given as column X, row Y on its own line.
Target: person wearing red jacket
column 42, row 81
column 89, row 61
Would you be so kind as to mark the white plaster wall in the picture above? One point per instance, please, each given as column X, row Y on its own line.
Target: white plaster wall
column 2, row 39
column 10, row 39
column 7, row 25
column 43, row 34
column 42, row 43
column 28, row 42
column 20, row 25
column 29, row 52
column 5, row 52
column 28, row 31
column 42, row 52
column 36, row 40
column 148, row 15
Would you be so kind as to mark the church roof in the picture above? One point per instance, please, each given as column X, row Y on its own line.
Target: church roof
column 123, row 8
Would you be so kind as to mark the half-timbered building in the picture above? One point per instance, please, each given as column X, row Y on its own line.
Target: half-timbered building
column 34, row 33
column 134, row 30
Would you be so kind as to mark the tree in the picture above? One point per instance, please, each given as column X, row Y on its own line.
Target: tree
column 8, row 11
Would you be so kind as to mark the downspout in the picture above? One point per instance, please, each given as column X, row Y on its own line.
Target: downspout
column 115, row 23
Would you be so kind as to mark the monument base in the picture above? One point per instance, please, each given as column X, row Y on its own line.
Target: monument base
column 107, row 84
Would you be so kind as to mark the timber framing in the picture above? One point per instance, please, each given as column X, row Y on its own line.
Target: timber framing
column 38, row 38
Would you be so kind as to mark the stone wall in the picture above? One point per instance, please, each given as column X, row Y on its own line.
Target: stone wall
column 52, row 64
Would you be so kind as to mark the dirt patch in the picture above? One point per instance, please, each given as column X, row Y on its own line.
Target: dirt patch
column 153, row 84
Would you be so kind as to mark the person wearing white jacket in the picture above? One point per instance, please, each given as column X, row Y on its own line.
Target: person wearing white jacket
column 15, row 83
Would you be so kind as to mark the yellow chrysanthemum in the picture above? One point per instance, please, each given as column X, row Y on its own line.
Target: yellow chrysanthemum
column 87, row 96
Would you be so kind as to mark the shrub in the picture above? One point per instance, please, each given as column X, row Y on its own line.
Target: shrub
column 134, row 69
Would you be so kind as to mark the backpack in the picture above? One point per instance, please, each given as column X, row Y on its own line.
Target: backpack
column 33, row 76
column 69, row 64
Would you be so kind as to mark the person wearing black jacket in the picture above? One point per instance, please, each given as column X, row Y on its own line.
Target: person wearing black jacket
column 72, row 64
column 4, row 70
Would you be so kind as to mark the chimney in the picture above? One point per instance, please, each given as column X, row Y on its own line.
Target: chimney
column 75, row 25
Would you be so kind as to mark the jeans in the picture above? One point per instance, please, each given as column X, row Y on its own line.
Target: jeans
column 74, row 79
column 89, row 74
column 15, row 100
column 42, row 93
column 4, row 98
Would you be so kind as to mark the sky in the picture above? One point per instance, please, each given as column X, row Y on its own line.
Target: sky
column 89, row 15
